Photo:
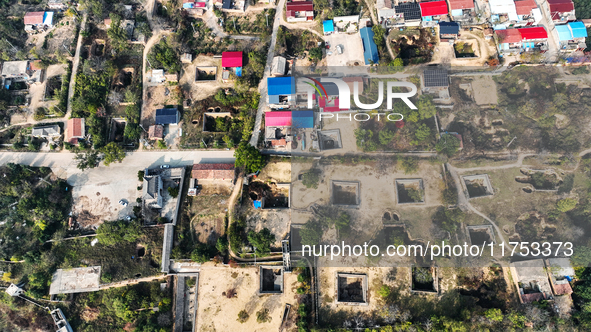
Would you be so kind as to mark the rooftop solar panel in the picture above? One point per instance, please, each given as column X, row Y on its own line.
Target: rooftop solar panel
column 411, row 10
column 436, row 78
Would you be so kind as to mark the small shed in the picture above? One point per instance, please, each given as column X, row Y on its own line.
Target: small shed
column 328, row 27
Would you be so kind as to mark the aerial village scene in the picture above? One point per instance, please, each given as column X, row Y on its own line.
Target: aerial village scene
column 295, row 165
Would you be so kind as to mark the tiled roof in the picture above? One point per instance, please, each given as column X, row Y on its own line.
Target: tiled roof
column 155, row 131
column 213, row 171
column 32, row 18
column 528, row 298
column 304, row 6
column 75, row 130
column 562, row 289
column 524, row 7
column 461, row 4
column 508, row 36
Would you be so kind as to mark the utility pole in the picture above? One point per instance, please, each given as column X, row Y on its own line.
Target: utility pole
column 235, row 24
column 64, row 45
column 267, row 17
column 255, row 256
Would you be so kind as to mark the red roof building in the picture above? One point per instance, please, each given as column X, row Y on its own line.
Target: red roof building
column 75, row 129
column 300, row 10
column 232, row 59
column 213, row 172
column 508, row 36
column 433, row 8
column 156, row 132
column 524, row 7
column 562, row 289
column 461, row 4
column 558, row 7
column 34, row 18
column 278, row 119
column 533, row 33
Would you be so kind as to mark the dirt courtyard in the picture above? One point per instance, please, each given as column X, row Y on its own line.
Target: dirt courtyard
column 484, row 90
column 199, row 91
column 377, row 193
column 217, row 312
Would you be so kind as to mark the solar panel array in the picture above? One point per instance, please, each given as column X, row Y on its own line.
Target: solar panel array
column 435, row 78
column 411, row 10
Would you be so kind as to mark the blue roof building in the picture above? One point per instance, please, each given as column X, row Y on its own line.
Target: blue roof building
column 370, row 49
column 166, row 116
column 328, row 27
column 449, row 29
column 564, row 33
column 280, row 86
column 302, row 119
column 578, row 29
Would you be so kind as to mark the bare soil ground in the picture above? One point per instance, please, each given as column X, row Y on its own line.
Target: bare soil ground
column 208, row 211
column 377, row 194
column 156, row 99
column 198, row 91
column 276, row 171
column 216, row 312
column 484, row 91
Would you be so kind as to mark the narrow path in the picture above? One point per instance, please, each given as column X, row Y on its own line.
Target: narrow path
column 464, row 205
column 130, row 282
column 211, row 21
column 231, row 205
column 518, row 163
column 263, row 84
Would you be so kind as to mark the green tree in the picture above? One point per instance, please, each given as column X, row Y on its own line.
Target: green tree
column 140, row 175
column 311, row 232
column 113, row 232
column 448, row 145
column 422, row 133
column 161, row 144
column 494, row 315
column 87, row 159
column 316, row 54
column 426, row 107
column 385, row 136
column 112, row 152
column 384, row 292
column 173, row 192
column 311, row 178
column 567, row 204
column 200, row 254
column 243, row 316
column 397, row 63
column 249, row 157
column 262, row 241
column 222, row 244
column 410, row 165
column 117, row 35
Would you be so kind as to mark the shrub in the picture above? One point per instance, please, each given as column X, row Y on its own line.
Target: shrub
column 263, row 316
column 566, row 204
column 243, row 316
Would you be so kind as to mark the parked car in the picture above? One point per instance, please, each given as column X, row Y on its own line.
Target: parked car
column 128, row 218
column 122, row 202
column 164, row 166
column 339, row 49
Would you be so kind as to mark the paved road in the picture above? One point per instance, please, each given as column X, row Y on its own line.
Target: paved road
column 553, row 47
column 263, row 84
column 136, row 160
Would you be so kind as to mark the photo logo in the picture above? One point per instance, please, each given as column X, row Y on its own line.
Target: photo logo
column 315, row 85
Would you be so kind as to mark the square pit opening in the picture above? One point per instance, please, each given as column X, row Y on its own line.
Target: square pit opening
column 345, row 193
column 271, row 278
column 478, row 185
column 351, row 288
column 482, row 234
column 330, row 139
column 424, row 279
column 410, row 191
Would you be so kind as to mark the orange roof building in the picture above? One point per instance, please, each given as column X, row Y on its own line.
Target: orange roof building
column 75, row 129
column 213, row 172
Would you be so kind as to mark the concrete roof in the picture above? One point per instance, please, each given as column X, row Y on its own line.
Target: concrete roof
column 77, row 280
column 14, row 68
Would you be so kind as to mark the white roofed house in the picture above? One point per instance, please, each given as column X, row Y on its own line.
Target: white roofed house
column 48, row 131
column 15, row 71
column 503, row 13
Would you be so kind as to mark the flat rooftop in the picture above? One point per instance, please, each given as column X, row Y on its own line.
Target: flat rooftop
column 77, row 280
